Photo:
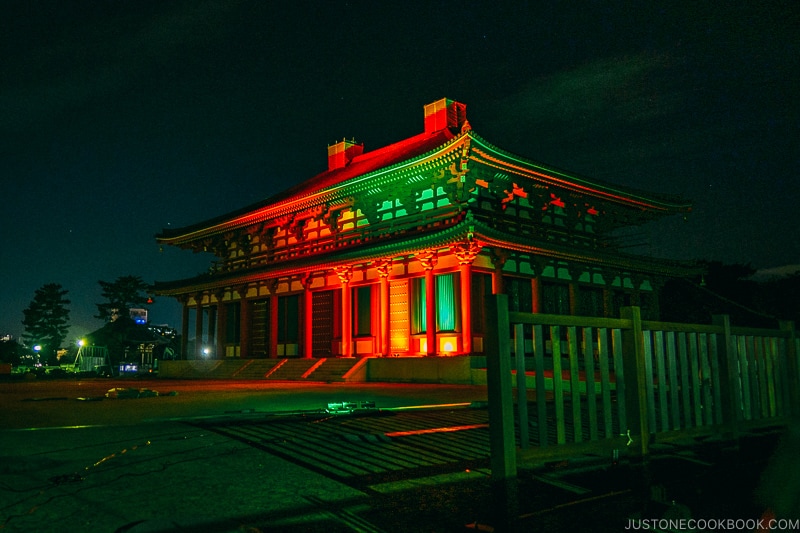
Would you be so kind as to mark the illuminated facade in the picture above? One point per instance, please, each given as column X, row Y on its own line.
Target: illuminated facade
column 393, row 252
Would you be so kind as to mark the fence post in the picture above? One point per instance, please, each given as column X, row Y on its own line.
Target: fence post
column 498, row 381
column 522, row 386
column 791, row 366
column 635, row 378
column 729, row 376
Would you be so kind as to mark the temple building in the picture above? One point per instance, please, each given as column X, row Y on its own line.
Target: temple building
column 393, row 252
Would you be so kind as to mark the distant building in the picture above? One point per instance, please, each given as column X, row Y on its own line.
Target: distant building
column 393, row 252
column 163, row 330
column 139, row 316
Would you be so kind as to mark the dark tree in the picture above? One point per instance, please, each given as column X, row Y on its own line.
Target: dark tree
column 121, row 295
column 47, row 320
column 781, row 297
column 731, row 290
column 11, row 351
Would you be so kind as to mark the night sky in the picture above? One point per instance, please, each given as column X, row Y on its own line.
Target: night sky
column 118, row 119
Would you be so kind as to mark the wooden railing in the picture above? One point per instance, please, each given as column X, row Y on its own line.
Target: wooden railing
column 622, row 384
column 308, row 247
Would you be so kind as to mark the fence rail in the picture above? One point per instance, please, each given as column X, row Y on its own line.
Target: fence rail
column 606, row 383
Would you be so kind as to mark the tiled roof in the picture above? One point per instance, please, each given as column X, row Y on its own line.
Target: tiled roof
column 369, row 162
column 363, row 164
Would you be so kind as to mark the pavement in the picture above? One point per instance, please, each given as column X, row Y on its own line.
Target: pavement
column 121, row 468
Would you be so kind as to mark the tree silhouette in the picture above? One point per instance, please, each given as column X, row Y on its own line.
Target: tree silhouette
column 734, row 291
column 11, row 351
column 121, row 295
column 47, row 320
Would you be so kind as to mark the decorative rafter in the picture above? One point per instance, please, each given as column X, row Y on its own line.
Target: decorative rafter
column 428, row 259
column 344, row 273
column 466, row 252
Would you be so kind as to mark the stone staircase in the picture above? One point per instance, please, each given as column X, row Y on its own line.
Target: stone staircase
column 328, row 370
column 255, row 368
column 290, row 369
column 206, row 369
column 333, row 369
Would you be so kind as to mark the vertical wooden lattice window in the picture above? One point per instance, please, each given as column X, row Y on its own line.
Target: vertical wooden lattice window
column 288, row 319
column 362, row 311
column 232, row 323
column 322, row 331
column 259, row 328
column 398, row 316
column 590, row 301
column 520, row 294
column 419, row 317
column 481, row 292
column 446, row 314
column 618, row 301
column 555, row 298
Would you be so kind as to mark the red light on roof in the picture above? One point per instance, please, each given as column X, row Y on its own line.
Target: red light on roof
column 556, row 201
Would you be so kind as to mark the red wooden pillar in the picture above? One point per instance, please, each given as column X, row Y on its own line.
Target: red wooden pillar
column 308, row 319
column 636, row 294
column 273, row 325
column 536, row 294
column 466, row 254
column 608, row 294
column 222, row 320
column 344, row 274
column 384, row 269
column 538, row 265
column 430, row 312
column 428, row 261
column 573, row 297
column 466, row 307
column 212, row 327
column 198, row 326
column 244, row 324
column 654, row 306
column 499, row 258
column 184, row 328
